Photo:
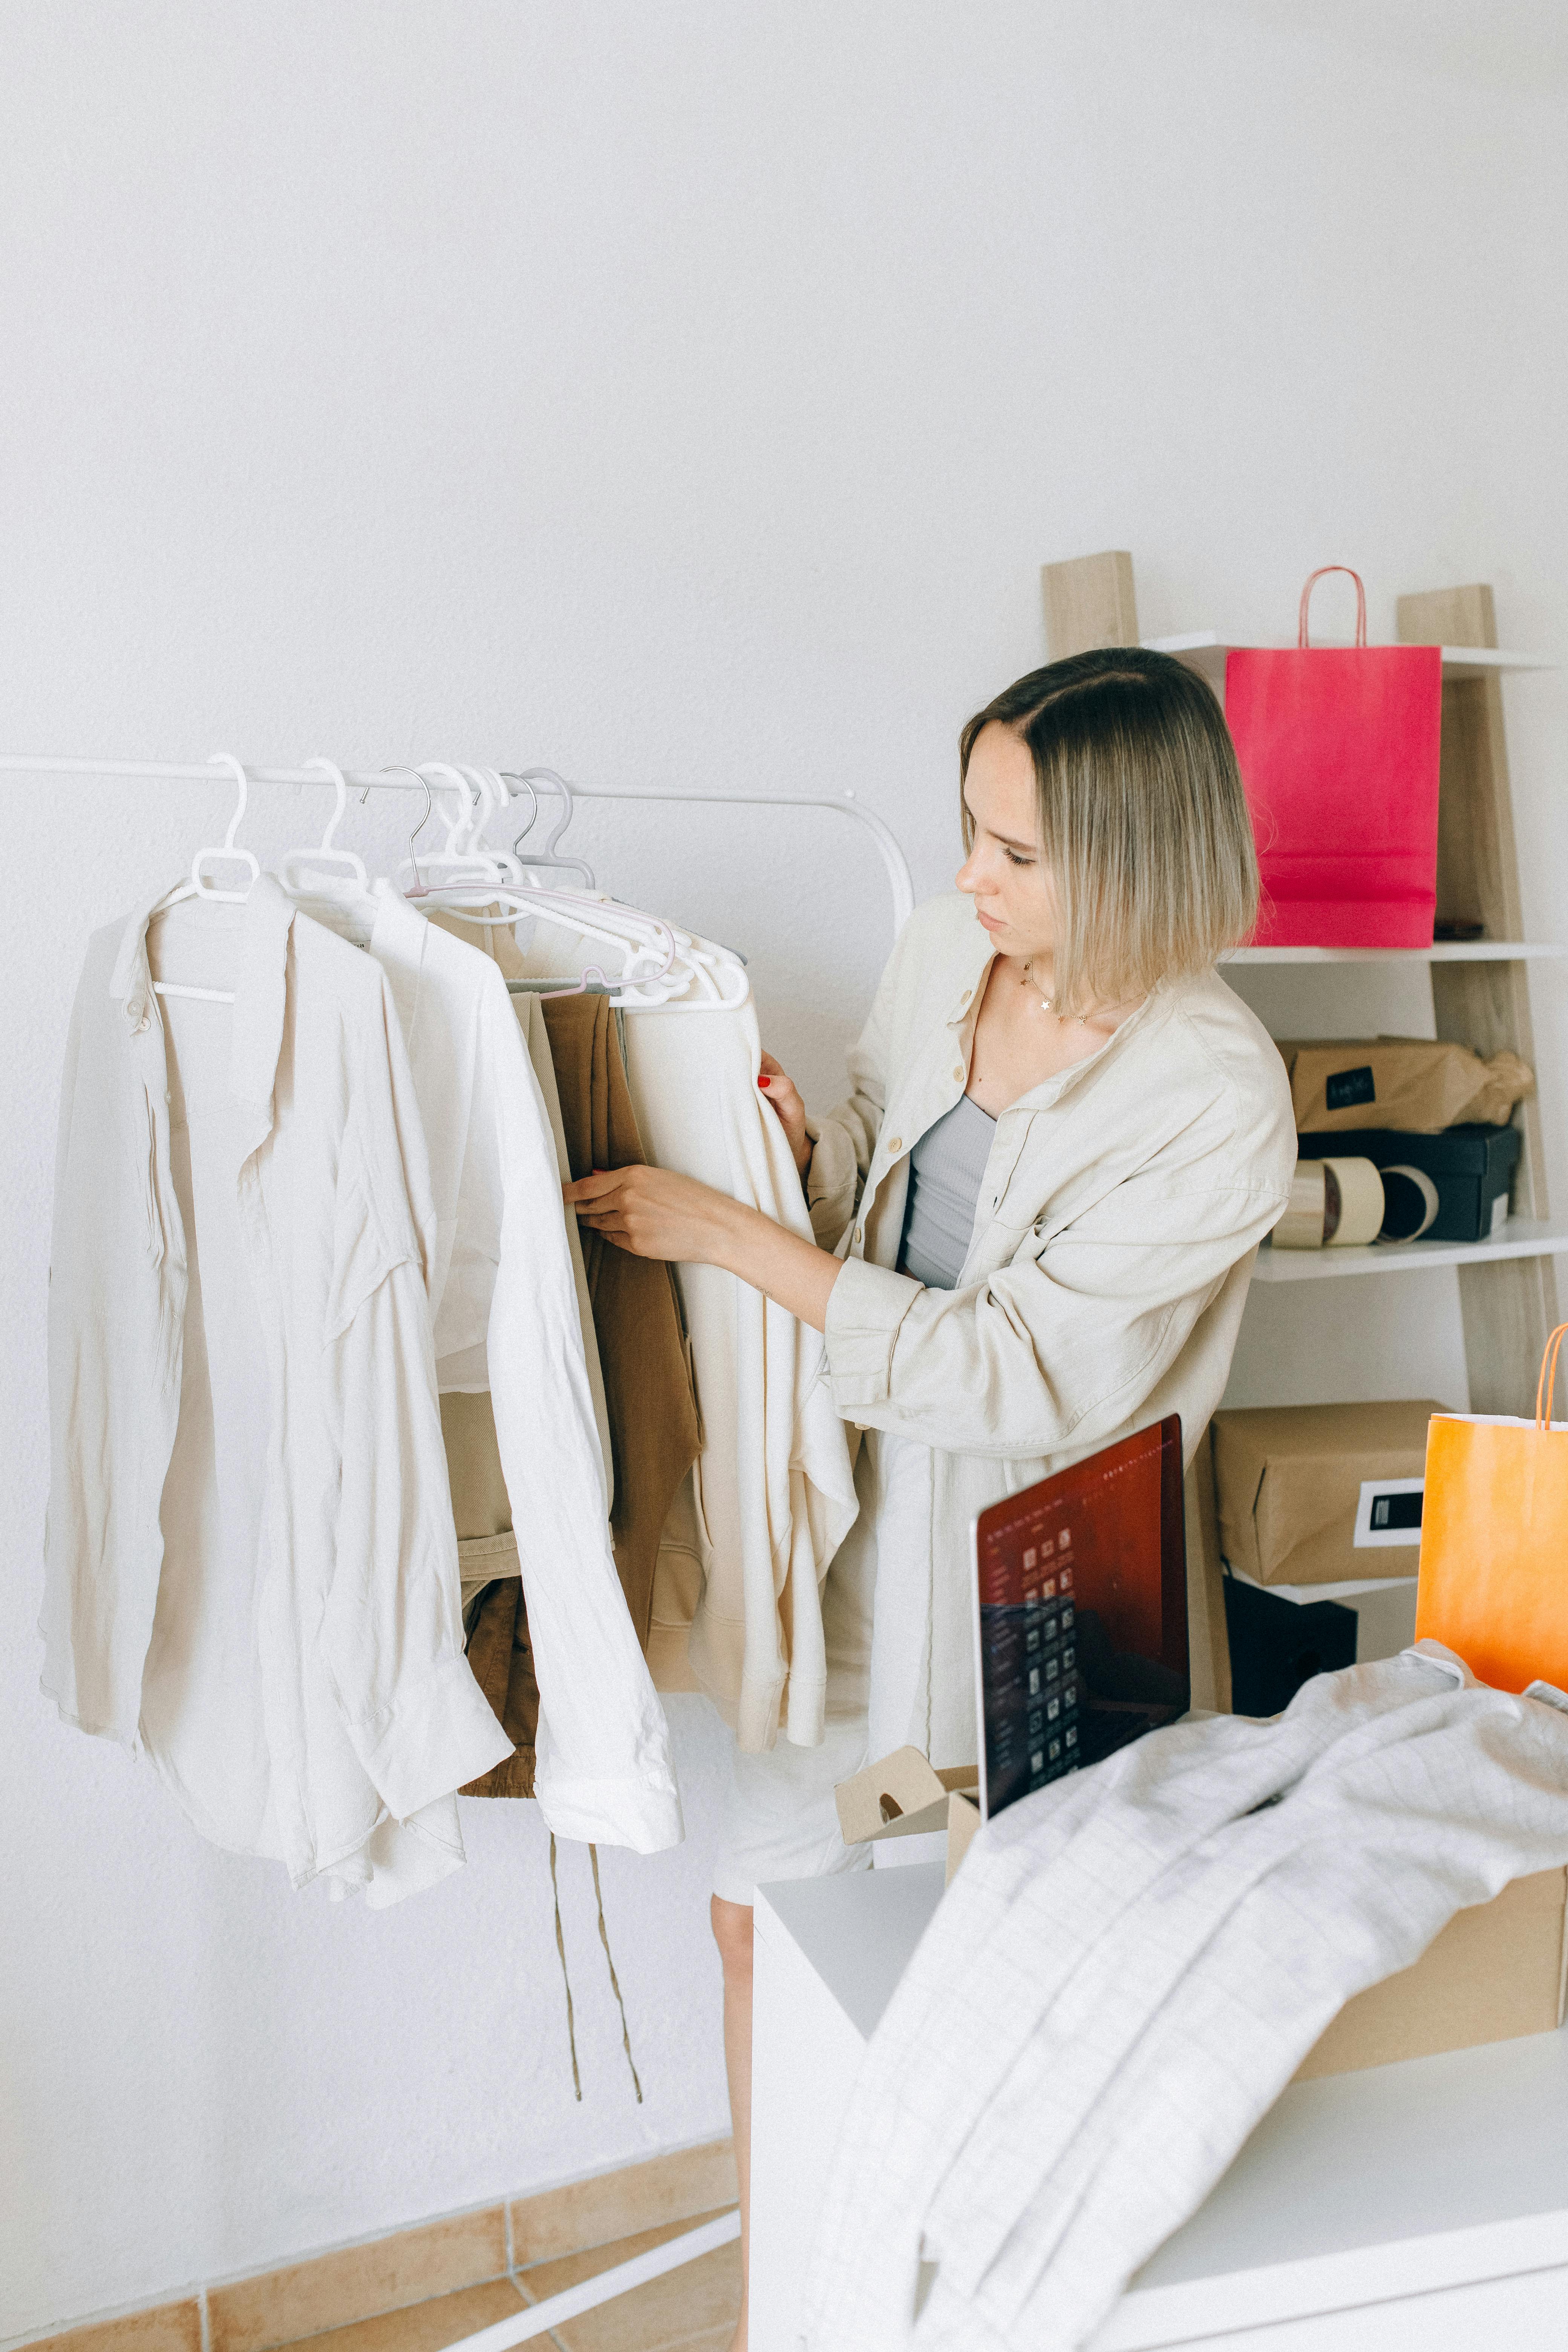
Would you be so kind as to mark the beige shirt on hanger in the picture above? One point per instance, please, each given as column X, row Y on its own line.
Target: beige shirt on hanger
column 1121, row 1206
column 506, row 1320
column 772, row 1494
column 251, row 1572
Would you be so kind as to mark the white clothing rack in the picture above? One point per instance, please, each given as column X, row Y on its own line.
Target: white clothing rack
column 692, row 2243
column 894, row 862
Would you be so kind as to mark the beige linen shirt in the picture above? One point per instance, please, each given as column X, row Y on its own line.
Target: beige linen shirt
column 1121, row 1206
column 251, row 1571
column 507, row 1321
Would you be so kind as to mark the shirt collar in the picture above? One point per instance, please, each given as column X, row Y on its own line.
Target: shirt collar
column 131, row 981
column 1051, row 1090
column 260, row 983
column 398, row 940
column 260, row 992
column 978, row 955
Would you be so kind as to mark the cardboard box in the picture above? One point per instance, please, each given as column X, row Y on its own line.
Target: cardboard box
column 1494, row 1973
column 1289, row 1483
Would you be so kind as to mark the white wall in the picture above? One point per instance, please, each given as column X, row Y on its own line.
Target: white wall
column 678, row 394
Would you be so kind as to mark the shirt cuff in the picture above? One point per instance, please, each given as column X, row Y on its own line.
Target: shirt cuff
column 644, row 1814
column 866, row 1308
column 440, row 1736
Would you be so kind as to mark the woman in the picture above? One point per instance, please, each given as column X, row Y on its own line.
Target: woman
column 1064, row 1140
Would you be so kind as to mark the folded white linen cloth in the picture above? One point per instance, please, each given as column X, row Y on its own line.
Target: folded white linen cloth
column 1126, row 1973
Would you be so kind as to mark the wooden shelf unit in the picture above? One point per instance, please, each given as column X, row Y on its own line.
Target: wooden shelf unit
column 1480, row 998
column 1521, row 1237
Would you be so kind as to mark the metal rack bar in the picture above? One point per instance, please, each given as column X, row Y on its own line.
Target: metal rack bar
column 894, row 862
column 603, row 2288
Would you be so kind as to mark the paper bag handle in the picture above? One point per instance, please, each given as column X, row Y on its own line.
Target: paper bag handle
column 1548, row 1380
column 1301, row 637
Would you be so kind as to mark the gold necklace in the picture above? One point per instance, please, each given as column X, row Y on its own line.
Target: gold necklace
column 1029, row 980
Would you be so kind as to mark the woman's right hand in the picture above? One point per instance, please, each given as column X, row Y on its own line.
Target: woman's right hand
column 779, row 1090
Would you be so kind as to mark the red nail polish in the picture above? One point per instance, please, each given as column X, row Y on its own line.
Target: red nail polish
column 764, row 1082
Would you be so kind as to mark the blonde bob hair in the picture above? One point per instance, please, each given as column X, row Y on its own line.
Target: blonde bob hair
column 1143, row 822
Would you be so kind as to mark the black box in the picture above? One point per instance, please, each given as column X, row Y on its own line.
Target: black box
column 1472, row 1168
column 1276, row 1644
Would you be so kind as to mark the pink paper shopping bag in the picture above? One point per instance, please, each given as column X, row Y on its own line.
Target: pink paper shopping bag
column 1338, row 750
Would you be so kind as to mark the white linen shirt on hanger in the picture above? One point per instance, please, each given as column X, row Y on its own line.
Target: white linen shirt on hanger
column 250, row 1566
column 507, row 1320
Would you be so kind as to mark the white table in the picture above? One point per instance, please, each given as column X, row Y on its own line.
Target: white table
column 1417, row 2208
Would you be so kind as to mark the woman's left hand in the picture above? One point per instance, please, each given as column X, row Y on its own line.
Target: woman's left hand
column 653, row 1214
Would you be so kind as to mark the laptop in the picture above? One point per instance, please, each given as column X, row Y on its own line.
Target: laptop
column 1080, row 1599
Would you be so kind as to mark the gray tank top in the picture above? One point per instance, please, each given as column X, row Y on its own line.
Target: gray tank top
column 947, row 1168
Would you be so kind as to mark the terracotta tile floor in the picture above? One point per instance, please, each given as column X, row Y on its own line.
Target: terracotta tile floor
column 693, row 2309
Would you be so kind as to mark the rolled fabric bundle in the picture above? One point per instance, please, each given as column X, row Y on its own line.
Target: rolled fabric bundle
column 1333, row 1204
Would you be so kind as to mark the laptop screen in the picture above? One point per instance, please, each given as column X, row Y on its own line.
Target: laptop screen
column 1081, row 1598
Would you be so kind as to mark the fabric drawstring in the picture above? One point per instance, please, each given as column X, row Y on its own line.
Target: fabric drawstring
column 614, row 1980
column 610, row 1963
column 566, row 1975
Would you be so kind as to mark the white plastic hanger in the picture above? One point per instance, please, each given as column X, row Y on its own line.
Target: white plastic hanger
column 470, row 866
column 199, row 887
column 300, row 884
column 546, row 857
column 660, row 962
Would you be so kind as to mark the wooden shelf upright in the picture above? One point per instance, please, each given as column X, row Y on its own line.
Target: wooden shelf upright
column 1509, row 1304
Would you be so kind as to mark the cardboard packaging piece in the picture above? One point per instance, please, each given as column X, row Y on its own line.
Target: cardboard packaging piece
column 901, row 1795
column 1289, row 1481
column 1420, row 1085
column 1494, row 1973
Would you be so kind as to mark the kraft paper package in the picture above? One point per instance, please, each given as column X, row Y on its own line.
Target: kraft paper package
column 1287, row 1480
column 1417, row 1084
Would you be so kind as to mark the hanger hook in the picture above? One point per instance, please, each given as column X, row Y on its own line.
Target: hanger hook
column 340, row 806
column 227, row 759
column 459, row 823
column 401, row 768
column 508, row 776
column 549, row 776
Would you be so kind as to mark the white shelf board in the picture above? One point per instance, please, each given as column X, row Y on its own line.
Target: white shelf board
column 1203, row 651
column 1440, row 951
column 1521, row 1237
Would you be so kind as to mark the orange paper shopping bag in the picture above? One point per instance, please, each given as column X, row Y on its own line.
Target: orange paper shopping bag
column 1494, row 1540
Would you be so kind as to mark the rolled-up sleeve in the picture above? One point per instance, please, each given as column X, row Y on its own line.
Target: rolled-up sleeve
column 1061, row 1345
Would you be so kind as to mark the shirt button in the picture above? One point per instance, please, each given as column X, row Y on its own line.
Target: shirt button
column 964, row 998
column 959, row 1072
column 897, row 1144
column 859, row 1233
